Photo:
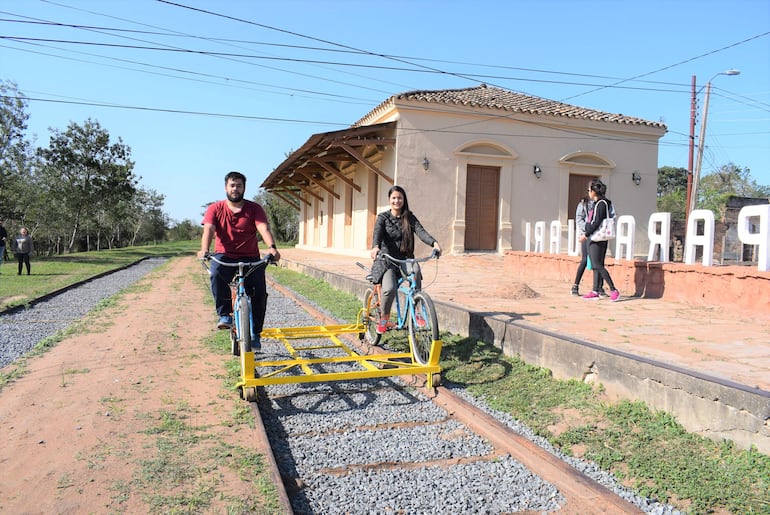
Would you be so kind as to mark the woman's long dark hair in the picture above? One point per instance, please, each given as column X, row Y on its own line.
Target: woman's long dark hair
column 598, row 187
column 407, row 237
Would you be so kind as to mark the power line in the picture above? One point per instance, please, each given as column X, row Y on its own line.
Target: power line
column 672, row 65
column 177, row 111
column 334, row 50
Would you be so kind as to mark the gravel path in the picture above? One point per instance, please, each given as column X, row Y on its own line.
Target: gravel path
column 21, row 330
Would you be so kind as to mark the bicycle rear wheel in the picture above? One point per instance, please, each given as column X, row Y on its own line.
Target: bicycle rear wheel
column 423, row 327
column 371, row 316
column 244, row 324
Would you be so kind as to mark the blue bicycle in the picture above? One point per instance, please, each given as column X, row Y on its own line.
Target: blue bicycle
column 243, row 320
column 414, row 309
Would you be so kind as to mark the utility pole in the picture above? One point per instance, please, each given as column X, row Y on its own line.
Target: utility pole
column 701, row 144
column 692, row 195
column 693, row 111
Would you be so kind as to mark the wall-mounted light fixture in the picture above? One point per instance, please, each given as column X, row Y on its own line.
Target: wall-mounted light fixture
column 537, row 171
column 636, row 177
column 425, row 163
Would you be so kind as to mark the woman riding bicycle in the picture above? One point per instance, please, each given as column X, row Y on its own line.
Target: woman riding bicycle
column 394, row 232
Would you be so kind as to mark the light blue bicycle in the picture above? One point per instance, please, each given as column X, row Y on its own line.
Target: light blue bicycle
column 414, row 310
column 243, row 320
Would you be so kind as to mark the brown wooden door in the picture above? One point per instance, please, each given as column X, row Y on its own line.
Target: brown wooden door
column 578, row 188
column 481, row 199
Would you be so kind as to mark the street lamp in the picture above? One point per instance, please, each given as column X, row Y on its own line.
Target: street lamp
column 694, row 176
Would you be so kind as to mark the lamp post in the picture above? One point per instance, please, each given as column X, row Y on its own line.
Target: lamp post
column 693, row 175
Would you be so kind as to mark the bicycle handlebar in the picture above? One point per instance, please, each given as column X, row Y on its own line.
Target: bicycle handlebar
column 265, row 260
column 435, row 254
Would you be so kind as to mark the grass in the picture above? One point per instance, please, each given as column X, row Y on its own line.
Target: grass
column 649, row 451
column 53, row 273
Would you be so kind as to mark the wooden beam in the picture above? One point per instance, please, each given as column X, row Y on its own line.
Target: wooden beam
column 303, row 188
column 337, row 173
column 353, row 152
column 293, row 194
column 308, row 175
column 289, row 201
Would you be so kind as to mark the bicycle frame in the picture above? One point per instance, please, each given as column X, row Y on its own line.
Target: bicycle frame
column 242, row 322
column 414, row 311
column 406, row 287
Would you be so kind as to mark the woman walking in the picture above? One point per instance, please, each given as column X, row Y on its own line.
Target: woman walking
column 597, row 250
column 22, row 247
column 394, row 232
column 584, row 207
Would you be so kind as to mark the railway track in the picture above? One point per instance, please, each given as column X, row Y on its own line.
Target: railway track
column 388, row 445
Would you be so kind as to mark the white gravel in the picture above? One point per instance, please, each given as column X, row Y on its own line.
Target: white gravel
column 22, row 329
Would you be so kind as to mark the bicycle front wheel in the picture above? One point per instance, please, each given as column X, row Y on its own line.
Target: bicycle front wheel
column 371, row 316
column 423, row 327
column 244, row 324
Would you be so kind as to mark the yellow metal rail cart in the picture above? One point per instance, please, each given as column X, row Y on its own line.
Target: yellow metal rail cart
column 301, row 341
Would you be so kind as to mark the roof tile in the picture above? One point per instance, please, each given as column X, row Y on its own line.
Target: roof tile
column 484, row 96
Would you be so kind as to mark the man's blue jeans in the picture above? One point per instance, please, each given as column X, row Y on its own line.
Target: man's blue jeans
column 256, row 288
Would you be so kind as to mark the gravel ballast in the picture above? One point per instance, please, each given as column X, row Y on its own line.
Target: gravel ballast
column 334, row 437
column 22, row 329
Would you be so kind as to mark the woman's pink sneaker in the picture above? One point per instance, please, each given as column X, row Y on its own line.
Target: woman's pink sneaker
column 591, row 295
column 614, row 295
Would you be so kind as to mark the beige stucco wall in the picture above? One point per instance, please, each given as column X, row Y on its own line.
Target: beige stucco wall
column 454, row 137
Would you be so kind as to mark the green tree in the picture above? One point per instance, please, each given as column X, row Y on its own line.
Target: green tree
column 86, row 173
column 15, row 153
column 729, row 180
column 672, row 191
column 185, row 230
column 283, row 218
column 149, row 218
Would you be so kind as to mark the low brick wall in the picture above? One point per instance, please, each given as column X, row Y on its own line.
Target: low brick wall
column 742, row 289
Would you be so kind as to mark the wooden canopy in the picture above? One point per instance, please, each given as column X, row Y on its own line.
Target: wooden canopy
column 328, row 157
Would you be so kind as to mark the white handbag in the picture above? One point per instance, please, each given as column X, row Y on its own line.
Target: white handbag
column 606, row 230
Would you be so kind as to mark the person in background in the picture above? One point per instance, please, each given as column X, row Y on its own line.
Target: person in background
column 584, row 207
column 22, row 248
column 236, row 222
column 3, row 241
column 597, row 250
column 393, row 234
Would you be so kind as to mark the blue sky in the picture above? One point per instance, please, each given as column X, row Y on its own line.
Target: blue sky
column 227, row 85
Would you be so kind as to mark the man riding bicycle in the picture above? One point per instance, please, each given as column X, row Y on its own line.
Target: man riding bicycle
column 235, row 222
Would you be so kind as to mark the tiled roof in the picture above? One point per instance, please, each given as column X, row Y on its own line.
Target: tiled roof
column 484, row 96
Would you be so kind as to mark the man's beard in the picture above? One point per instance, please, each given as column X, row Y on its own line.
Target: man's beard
column 235, row 197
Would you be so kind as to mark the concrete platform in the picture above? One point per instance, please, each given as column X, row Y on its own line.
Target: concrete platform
column 707, row 365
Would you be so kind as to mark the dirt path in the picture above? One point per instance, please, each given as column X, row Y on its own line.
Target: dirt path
column 131, row 415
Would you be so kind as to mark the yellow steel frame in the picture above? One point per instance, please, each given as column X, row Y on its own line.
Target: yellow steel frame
column 306, row 370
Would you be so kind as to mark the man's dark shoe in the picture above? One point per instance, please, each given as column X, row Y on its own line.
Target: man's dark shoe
column 225, row 322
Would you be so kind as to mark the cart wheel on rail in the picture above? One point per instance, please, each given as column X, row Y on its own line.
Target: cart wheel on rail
column 234, row 347
column 250, row 393
column 244, row 324
column 436, row 380
column 423, row 328
column 371, row 315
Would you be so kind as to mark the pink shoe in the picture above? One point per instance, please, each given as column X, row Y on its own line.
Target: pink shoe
column 614, row 295
column 420, row 321
column 591, row 295
column 382, row 326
